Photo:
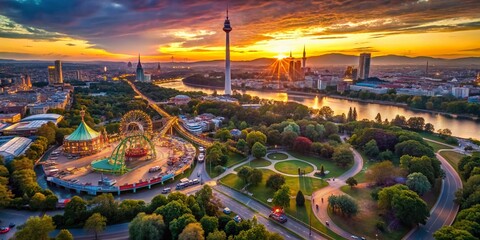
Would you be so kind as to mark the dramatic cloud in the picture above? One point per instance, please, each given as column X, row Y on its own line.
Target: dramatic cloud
column 169, row 26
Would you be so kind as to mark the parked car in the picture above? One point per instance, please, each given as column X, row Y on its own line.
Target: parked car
column 237, row 219
column 4, row 230
column 154, row 169
column 281, row 218
column 227, row 210
column 166, row 190
column 196, row 181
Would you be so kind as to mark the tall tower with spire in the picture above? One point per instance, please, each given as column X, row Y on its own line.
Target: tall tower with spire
column 228, row 82
column 304, row 60
column 140, row 74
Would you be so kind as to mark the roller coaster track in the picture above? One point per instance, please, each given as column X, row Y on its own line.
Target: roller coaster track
column 172, row 122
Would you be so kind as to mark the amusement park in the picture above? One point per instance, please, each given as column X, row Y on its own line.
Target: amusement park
column 89, row 162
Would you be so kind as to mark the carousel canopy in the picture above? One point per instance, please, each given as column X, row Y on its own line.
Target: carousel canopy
column 83, row 133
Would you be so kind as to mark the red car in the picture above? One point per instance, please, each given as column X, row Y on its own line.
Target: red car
column 4, row 229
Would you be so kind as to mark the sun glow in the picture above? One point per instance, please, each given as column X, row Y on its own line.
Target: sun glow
column 280, row 56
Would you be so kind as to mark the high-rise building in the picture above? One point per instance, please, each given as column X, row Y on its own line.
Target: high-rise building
column 364, row 65
column 51, row 75
column 228, row 82
column 78, row 75
column 298, row 71
column 159, row 69
column 140, row 73
column 58, row 72
column 28, row 80
column 129, row 65
column 460, row 92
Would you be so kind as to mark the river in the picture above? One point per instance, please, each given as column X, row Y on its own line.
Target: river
column 460, row 127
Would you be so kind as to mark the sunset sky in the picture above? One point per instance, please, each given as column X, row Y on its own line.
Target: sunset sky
column 192, row 29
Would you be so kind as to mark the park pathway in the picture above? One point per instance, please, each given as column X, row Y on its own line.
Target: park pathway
column 333, row 189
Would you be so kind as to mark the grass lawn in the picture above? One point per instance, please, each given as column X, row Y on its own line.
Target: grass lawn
column 453, row 158
column 255, row 163
column 277, row 156
column 363, row 224
column 318, row 161
column 432, row 136
column 234, row 159
column 262, row 193
column 291, row 167
column 437, row 146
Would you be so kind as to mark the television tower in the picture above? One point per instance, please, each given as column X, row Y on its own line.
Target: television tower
column 228, row 82
column 304, row 59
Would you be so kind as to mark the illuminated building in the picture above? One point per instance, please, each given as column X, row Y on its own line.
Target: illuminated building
column 140, row 74
column 78, row 75
column 58, row 72
column 460, row 92
column 228, row 82
column 51, row 74
column 364, row 65
column 84, row 140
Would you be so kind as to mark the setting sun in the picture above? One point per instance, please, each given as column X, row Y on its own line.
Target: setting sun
column 280, row 56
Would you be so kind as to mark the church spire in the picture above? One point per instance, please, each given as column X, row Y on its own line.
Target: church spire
column 139, row 64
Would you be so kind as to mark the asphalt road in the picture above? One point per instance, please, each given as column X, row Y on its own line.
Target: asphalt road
column 445, row 210
column 262, row 210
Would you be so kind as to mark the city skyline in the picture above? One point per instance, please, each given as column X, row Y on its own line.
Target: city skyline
column 119, row 30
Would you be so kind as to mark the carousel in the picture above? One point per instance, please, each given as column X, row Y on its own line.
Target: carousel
column 84, row 140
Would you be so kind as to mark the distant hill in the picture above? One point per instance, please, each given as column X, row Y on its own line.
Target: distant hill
column 321, row 60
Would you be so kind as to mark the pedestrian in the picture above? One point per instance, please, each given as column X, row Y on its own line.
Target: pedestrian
column 322, row 199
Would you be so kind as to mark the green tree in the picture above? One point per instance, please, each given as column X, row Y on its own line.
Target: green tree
column 386, row 195
column 244, row 173
column 256, row 136
column 288, row 138
column 231, row 228
column 342, row 156
column 146, row 226
column 242, row 146
column 75, row 211
column 193, row 231
column 36, row 228
column 325, row 112
column 330, row 128
column 429, row 127
column 172, row 210
column 37, row 202
column 413, row 148
column 223, row 135
column 410, row 208
column 300, row 199
column 449, row 233
column 178, row 224
column 6, row 196
column 259, row 150
column 209, row 224
column 217, row 235
column 371, row 149
column 378, row 118
column 96, row 224
column 351, row 182
column 343, row 204
column 64, row 234
column 156, row 202
column 419, row 183
column 47, row 131
column 255, row 177
column 275, row 181
column 281, row 197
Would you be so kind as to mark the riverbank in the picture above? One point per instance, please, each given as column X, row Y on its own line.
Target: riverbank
column 311, row 94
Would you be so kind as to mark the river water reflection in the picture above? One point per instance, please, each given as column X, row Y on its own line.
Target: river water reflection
column 460, row 127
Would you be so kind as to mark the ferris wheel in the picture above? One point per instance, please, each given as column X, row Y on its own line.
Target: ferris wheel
column 136, row 122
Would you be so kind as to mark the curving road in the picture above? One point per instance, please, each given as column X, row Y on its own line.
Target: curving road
column 445, row 209
column 334, row 189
